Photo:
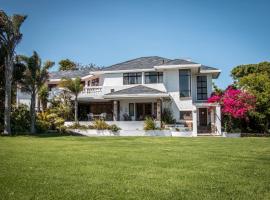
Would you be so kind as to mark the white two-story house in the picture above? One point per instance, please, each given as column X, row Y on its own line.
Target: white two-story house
column 147, row 86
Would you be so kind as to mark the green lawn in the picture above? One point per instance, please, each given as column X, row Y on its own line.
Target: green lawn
column 134, row 168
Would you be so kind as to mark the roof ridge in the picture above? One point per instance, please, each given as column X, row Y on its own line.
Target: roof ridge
column 138, row 59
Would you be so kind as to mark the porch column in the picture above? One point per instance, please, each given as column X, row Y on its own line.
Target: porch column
column 212, row 117
column 115, row 110
column 218, row 119
column 159, row 112
column 194, row 121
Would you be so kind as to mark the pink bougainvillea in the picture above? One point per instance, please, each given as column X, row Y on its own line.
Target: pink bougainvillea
column 234, row 102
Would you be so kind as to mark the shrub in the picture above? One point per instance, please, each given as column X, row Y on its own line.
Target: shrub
column 78, row 126
column 149, row 124
column 42, row 126
column 20, row 119
column 114, row 128
column 167, row 116
column 47, row 120
column 100, row 125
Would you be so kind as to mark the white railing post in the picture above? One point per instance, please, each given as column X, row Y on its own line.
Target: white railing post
column 194, row 122
column 218, row 119
column 92, row 90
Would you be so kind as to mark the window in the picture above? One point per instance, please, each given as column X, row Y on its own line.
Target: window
column 52, row 86
column 201, row 87
column 185, row 83
column 185, row 115
column 153, row 77
column 132, row 78
column 131, row 109
column 95, row 82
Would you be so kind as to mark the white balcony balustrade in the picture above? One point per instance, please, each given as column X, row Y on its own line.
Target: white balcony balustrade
column 92, row 91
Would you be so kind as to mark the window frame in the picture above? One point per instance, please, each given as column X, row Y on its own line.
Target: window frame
column 136, row 75
column 95, row 82
column 189, row 82
column 158, row 75
column 185, row 111
column 201, row 87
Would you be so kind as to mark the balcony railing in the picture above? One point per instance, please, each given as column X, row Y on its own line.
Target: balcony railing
column 93, row 90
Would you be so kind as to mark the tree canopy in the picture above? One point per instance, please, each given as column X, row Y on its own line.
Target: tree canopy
column 35, row 76
column 73, row 86
column 255, row 78
column 67, row 64
column 10, row 36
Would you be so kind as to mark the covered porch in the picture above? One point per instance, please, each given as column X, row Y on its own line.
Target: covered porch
column 206, row 119
column 131, row 104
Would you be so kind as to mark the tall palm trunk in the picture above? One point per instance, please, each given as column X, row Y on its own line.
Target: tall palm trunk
column 33, row 112
column 76, row 108
column 8, row 81
column 38, row 103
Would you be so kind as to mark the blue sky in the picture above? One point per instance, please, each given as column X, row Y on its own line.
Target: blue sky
column 221, row 34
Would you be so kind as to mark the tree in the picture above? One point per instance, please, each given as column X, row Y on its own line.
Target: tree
column 235, row 104
column 43, row 95
column 35, row 77
column 241, row 71
column 10, row 36
column 255, row 78
column 67, row 64
column 73, row 86
column 16, row 78
column 259, row 86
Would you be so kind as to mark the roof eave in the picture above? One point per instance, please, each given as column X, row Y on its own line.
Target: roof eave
column 182, row 66
column 215, row 73
column 124, row 96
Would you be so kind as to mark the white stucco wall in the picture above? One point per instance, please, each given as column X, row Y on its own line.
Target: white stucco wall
column 113, row 79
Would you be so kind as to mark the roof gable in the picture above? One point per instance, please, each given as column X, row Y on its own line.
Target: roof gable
column 139, row 89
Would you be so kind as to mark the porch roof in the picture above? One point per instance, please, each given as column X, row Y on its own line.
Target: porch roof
column 137, row 91
column 206, row 104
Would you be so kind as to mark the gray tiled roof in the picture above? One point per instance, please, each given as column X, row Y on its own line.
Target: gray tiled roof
column 149, row 63
column 204, row 67
column 138, row 63
column 69, row 74
column 179, row 62
column 139, row 89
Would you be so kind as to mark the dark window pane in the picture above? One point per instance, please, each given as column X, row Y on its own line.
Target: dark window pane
column 153, row 77
column 202, row 87
column 184, row 83
column 132, row 78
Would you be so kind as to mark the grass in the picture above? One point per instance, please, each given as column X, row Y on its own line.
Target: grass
column 134, row 168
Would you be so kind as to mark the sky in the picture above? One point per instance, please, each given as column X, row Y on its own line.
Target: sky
column 216, row 33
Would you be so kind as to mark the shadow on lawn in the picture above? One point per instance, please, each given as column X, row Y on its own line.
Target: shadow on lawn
column 43, row 135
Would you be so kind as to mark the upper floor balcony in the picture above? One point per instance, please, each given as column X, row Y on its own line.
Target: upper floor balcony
column 92, row 91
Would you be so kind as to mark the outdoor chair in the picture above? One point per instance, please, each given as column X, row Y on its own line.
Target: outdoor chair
column 90, row 116
column 103, row 116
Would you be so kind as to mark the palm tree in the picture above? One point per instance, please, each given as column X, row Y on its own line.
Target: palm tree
column 35, row 77
column 73, row 86
column 10, row 36
column 43, row 95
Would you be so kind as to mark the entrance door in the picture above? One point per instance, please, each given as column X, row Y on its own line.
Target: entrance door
column 202, row 116
column 143, row 110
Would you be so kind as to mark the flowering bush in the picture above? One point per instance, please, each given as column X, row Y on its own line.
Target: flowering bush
column 235, row 105
column 234, row 102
